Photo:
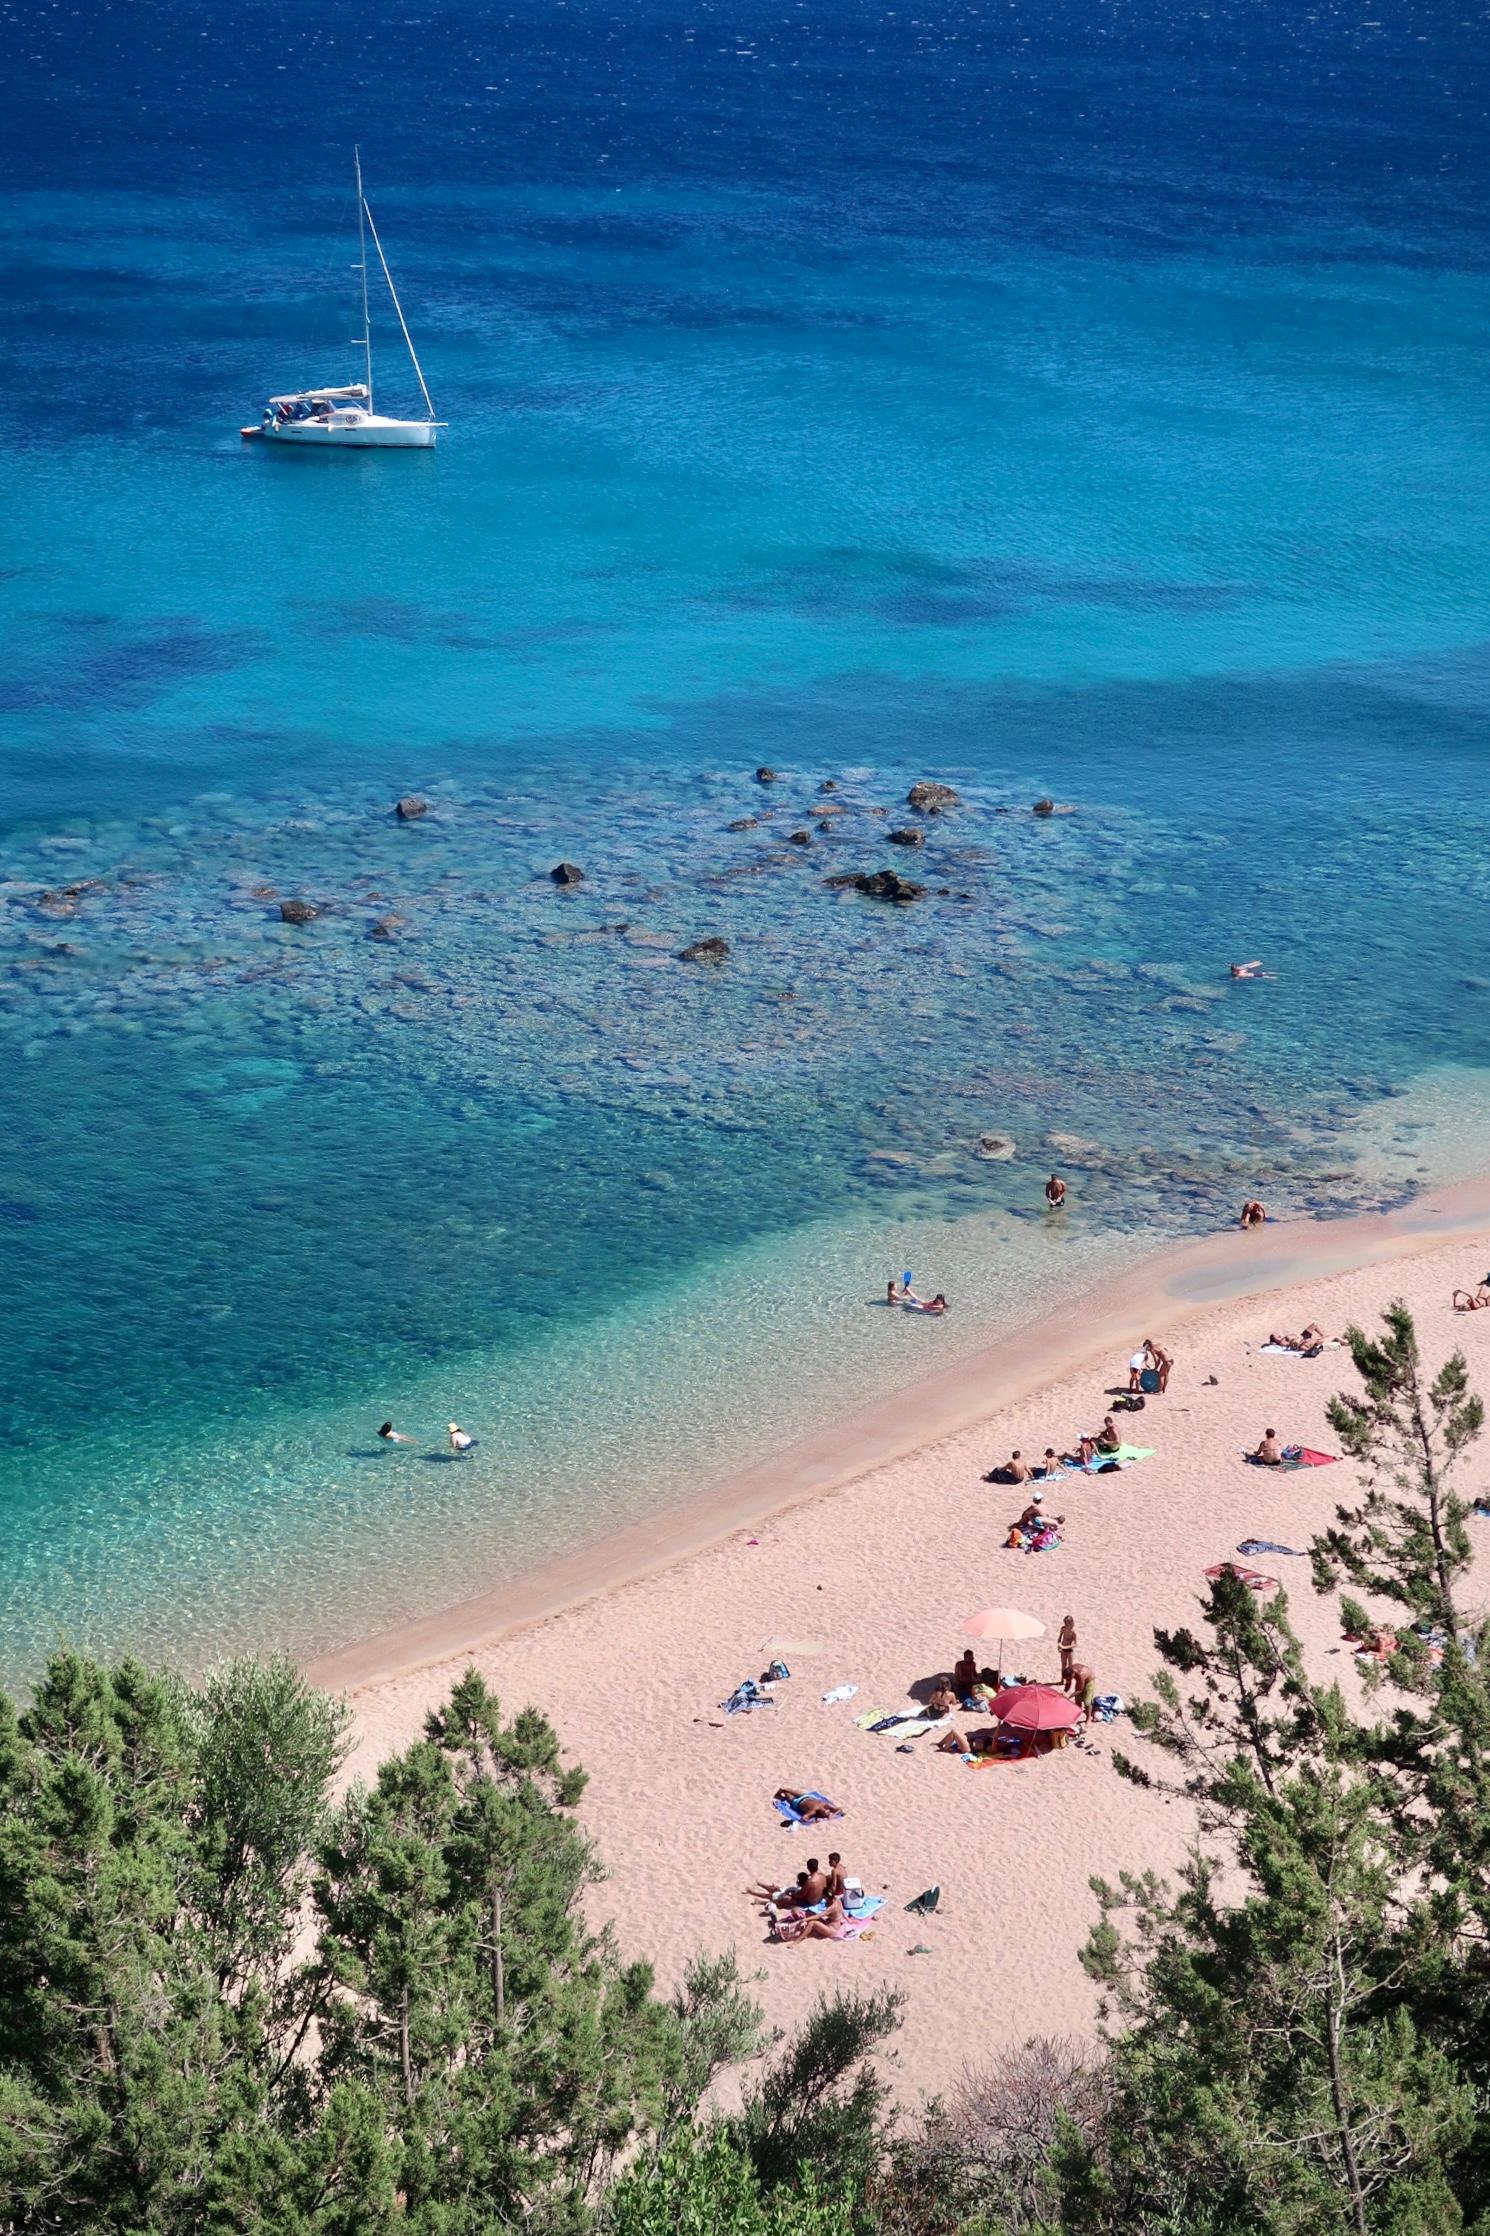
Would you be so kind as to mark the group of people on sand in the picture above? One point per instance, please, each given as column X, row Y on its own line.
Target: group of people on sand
column 1309, row 1342
column 455, row 1436
column 813, row 1907
column 1150, row 1358
column 974, row 1690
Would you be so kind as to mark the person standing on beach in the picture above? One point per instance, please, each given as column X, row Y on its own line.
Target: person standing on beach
column 1067, row 1644
column 1163, row 1363
column 1083, row 1687
column 1055, row 1191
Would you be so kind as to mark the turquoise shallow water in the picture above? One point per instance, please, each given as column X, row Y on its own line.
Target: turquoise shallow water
column 876, row 401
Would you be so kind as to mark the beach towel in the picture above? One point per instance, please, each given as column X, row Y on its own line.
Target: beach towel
column 864, row 1905
column 745, row 1697
column 1299, row 1455
column 1126, row 1455
column 1266, row 1545
column 913, row 1729
column 1106, row 1707
column 873, row 1716
column 895, row 1718
column 788, row 1809
column 1253, row 1578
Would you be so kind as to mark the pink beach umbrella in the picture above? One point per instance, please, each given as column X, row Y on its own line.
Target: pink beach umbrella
column 1002, row 1626
column 1037, row 1708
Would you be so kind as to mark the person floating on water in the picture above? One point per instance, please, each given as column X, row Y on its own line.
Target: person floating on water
column 1055, row 1191
column 388, row 1434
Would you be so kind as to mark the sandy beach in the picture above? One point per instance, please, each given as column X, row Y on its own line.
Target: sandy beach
column 879, row 1539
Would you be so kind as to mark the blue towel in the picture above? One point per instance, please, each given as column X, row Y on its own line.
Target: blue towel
column 788, row 1809
column 1266, row 1545
column 864, row 1905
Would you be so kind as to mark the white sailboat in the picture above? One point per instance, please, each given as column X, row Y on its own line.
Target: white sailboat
column 345, row 418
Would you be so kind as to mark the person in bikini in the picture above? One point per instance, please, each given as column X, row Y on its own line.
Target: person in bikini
column 1067, row 1645
column 1472, row 1300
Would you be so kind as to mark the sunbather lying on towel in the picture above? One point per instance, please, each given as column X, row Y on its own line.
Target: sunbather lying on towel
column 976, row 1743
column 1472, row 1300
column 1309, row 1341
column 808, row 1808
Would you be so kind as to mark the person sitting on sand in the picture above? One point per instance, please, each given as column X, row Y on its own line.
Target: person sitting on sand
column 1035, row 1516
column 828, row 1927
column 1472, row 1300
column 1015, row 1469
column 388, row 1434
column 1109, row 1437
column 807, row 1807
column 1050, row 1464
column 965, row 1675
column 1055, row 1191
column 1267, row 1453
column 944, row 1698
column 1253, row 1214
column 785, row 1898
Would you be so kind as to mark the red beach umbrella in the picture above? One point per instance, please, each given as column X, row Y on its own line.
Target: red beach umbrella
column 1037, row 1708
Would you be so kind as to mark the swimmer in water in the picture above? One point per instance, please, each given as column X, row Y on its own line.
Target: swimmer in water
column 388, row 1434
column 460, row 1442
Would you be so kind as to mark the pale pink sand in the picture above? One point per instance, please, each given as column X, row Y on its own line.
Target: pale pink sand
column 882, row 1571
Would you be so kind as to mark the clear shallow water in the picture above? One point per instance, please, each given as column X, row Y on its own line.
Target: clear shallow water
column 967, row 396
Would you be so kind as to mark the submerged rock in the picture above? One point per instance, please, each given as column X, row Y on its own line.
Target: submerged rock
column 743, row 823
column 710, row 950
column 932, row 799
column 908, row 835
column 764, row 775
column 995, row 1148
column 880, row 885
column 387, row 927
column 567, row 873
column 411, row 807
column 799, row 838
column 298, row 912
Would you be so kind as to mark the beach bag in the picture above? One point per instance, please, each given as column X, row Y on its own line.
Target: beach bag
column 776, row 1672
column 1015, row 1540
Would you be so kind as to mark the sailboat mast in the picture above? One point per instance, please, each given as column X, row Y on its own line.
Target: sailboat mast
column 362, row 262
column 403, row 322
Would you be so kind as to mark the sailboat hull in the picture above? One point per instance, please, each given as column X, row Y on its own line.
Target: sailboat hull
column 368, row 433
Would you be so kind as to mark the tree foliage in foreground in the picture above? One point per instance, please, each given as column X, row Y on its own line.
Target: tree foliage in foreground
column 227, row 2003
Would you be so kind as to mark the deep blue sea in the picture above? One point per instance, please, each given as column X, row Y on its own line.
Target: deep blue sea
column 1057, row 397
